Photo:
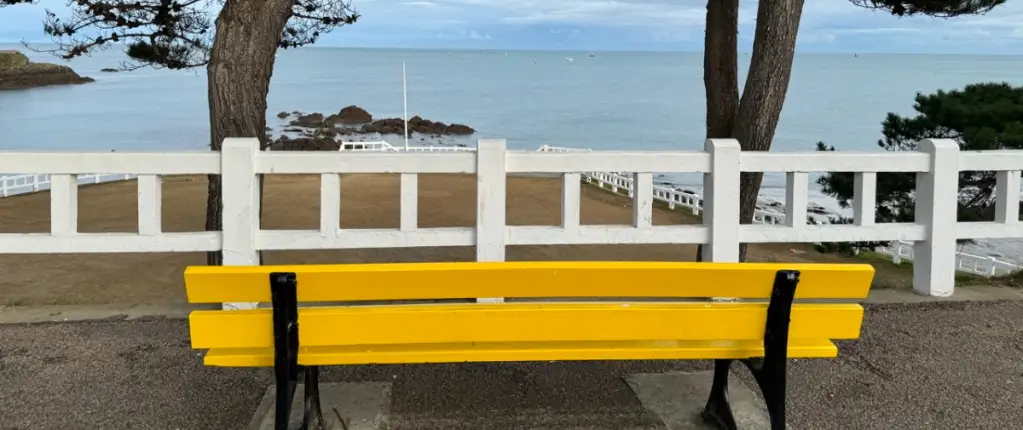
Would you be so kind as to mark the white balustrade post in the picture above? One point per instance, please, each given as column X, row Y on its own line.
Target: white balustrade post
column 865, row 198
column 570, row 201
column 64, row 205
column 150, row 204
column 937, row 194
column 721, row 201
column 1007, row 197
column 240, row 205
column 491, row 180
column 797, row 187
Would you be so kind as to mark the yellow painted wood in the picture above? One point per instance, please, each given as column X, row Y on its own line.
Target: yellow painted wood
column 521, row 322
column 411, row 281
column 527, row 351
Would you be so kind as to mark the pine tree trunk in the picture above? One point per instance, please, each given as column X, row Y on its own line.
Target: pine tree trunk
column 238, row 79
column 720, row 71
column 764, row 94
column 752, row 119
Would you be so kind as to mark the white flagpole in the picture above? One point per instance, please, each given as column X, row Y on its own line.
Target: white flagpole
column 404, row 95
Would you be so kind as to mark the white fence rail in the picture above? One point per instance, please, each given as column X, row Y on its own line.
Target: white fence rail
column 898, row 250
column 240, row 162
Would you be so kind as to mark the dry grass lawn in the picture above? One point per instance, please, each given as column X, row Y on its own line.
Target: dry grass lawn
column 292, row 202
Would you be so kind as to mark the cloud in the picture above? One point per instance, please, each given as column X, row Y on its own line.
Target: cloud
column 624, row 24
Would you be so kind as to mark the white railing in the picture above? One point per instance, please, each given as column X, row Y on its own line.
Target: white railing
column 24, row 184
column 898, row 250
column 934, row 234
column 382, row 146
column 11, row 185
column 965, row 262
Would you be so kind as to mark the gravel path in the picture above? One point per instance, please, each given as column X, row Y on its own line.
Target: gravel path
column 931, row 366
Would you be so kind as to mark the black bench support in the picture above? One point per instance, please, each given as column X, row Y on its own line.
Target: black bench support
column 284, row 293
column 769, row 371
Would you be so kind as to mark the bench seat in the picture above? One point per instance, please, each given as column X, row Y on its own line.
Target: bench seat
column 519, row 351
column 520, row 332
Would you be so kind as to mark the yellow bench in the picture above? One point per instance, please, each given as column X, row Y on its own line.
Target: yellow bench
column 610, row 324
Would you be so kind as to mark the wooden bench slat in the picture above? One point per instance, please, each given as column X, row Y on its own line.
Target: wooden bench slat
column 526, row 351
column 521, row 322
column 414, row 281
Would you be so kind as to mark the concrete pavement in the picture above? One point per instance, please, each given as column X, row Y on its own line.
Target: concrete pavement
column 945, row 365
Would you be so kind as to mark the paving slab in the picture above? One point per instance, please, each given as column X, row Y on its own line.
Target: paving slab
column 679, row 397
column 362, row 406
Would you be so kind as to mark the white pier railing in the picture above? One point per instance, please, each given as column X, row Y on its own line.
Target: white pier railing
column 24, row 184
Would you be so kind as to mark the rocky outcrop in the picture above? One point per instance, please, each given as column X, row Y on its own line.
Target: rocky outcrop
column 316, row 132
column 350, row 115
column 17, row 72
column 459, row 129
column 313, row 120
column 284, row 143
column 416, row 124
column 386, row 126
column 356, row 120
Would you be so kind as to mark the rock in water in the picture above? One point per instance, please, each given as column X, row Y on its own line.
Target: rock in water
column 17, row 72
column 351, row 115
column 313, row 120
column 459, row 129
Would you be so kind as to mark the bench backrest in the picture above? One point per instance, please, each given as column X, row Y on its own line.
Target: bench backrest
column 422, row 281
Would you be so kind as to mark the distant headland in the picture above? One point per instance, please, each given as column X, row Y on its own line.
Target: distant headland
column 18, row 73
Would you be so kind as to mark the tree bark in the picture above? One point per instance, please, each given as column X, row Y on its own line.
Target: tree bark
column 720, row 71
column 763, row 96
column 238, row 78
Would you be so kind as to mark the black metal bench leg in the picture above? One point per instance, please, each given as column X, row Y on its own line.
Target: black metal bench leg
column 313, row 418
column 718, row 411
column 768, row 371
column 283, row 288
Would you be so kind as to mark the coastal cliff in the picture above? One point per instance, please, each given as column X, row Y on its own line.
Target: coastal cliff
column 17, row 72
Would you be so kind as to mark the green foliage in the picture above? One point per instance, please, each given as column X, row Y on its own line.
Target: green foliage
column 979, row 117
column 10, row 60
column 175, row 34
column 937, row 8
column 14, row 2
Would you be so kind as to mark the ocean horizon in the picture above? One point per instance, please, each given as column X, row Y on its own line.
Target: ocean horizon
column 582, row 99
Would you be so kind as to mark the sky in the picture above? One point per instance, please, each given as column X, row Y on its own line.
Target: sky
column 826, row 26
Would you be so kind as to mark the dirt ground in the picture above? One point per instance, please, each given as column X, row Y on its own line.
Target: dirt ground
column 292, row 202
